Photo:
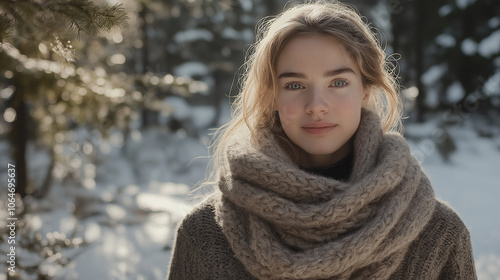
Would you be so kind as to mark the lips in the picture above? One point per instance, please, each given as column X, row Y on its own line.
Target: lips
column 317, row 128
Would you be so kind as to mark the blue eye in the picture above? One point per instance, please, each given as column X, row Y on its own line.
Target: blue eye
column 339, row 83
column 293, row 86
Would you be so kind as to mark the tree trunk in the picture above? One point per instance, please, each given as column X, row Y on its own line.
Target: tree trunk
column 145, row 59
column 47, row 182
column 19, row 141
column 420, row 52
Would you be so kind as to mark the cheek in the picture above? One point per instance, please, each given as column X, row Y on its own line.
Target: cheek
column 348, row 102
column 289, row 113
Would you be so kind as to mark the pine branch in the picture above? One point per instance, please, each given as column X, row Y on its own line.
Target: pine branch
column 32, row 21
column 27, row 17
column 84, row 17
column 6, row 29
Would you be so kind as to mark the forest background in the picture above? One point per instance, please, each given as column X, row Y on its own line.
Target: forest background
column 106, row 109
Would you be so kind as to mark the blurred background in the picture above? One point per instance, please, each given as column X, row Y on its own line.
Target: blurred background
column 106, row 109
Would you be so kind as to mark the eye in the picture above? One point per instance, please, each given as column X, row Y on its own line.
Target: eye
column 339, row 83
column 293, row 86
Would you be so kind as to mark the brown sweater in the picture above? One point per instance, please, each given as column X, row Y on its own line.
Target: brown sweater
column 442, row 250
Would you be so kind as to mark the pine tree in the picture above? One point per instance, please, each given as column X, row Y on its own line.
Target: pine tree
column 49, row 93
column 459, row 38
column 202, row 39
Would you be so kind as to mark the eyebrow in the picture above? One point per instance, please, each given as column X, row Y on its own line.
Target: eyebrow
column 327, row 74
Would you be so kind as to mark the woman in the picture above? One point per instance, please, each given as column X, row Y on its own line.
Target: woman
column 312, row 181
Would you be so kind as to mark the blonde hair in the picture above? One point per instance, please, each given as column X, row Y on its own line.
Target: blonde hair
column 253, row 110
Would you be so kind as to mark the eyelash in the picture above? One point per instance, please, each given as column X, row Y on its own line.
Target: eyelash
column 289, row 85
column 340, row 80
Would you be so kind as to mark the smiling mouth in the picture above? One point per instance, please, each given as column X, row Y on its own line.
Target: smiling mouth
column 316, row 129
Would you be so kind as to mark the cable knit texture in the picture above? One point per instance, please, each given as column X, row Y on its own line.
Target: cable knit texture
column 284, row 223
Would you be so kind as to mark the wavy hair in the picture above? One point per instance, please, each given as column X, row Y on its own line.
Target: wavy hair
column 253, row 109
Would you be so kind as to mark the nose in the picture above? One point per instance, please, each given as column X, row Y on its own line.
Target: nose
column 316, row 103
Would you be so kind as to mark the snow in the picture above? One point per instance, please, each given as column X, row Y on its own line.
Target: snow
column 230, row 33
column 494, row 22
column 469, row 47
column 248, row 20
column 130, row 217
column 190, row 69
column 445, row 40
column 469, row 182
column 202, row 116
column 193, row 35
column 496, row 63
column 455, row 92
column 381, row 15
column 430, row 79
column 434, row 73
column 246, row 5
column 178, row 107
column 490, row 45
column 492, row 85
column 245, row 35
column 471, row 185
column 128, row 221
column 445, row 10
column 462, row 4
column 432, row 97
column 152, row 202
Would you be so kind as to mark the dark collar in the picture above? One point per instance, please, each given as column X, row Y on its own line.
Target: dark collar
column 341, row 170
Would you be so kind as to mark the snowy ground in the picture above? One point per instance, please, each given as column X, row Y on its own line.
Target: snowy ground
column 470, row 183
column 129, row 204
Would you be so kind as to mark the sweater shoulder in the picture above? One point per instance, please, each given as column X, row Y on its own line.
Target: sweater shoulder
column 444, row 229
column 441, row 251
column 201, row 220
column 202, row 250
column 445, row 215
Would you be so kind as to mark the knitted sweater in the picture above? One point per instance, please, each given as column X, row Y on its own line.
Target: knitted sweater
column 442, row 250
column 273, row 220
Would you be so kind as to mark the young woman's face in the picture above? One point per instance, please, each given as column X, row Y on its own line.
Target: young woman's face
column 320, row 98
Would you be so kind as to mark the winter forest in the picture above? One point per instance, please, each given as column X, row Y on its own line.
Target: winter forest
column 107, row 109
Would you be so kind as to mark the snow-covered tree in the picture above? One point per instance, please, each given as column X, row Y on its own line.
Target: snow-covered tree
column 45, row 92
column 450, row 51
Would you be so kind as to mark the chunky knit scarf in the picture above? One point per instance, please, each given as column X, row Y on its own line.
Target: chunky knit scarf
column 285, row 223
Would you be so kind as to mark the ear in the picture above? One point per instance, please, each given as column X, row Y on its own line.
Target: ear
column 366, row 96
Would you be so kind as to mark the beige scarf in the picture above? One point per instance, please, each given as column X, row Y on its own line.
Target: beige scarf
column 285, row 223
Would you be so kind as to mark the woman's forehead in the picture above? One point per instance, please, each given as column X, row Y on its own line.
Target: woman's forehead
column 320, row 52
